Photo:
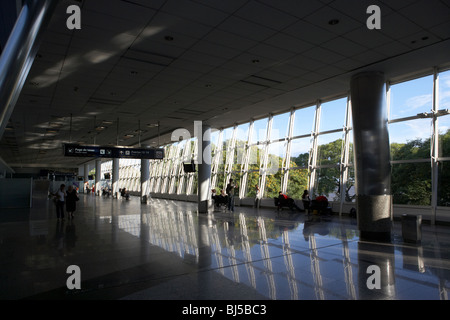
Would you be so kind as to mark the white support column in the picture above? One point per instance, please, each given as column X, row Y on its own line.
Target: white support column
column 265, row 156
column 435, row 149
column 244, row 168
column 115, row 177
column 145, row 177
column 191, row 176
column 86, row 176
column 345, row 156
column 313, row 152
column 204, row 170
column 173, row 174
column 287, row 158
column 217, row 158
column 98, row 176
column 230, row 156
column 184, row 159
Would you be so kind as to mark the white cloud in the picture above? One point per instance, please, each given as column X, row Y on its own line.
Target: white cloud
column 419, row 101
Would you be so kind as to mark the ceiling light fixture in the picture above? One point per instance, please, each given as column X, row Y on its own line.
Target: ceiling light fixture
column 100, row 128
column 333, row 22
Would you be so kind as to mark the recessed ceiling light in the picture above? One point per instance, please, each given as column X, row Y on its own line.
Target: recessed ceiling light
column 333, row 22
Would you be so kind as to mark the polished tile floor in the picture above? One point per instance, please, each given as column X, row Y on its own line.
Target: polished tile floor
column 166, row 250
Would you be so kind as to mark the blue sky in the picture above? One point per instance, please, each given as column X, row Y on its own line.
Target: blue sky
column 407, row 99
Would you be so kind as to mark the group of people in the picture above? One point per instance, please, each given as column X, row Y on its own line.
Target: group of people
column 226, row 196
column 124, row 193
column 65, row 199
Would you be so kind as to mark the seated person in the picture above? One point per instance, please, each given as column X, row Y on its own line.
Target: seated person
column 306, row 200
column 125, row 194
column 321, row 205
column 221, row 199
column 215, row 197
column 284, row 200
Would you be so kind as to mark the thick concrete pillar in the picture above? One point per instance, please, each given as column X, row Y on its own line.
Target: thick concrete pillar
column 145, row 179
column 115, row 178
column 204, row 170
column 372, row 155
column 98, row 177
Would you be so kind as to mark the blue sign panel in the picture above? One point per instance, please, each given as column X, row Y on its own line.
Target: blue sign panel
column 73, row 150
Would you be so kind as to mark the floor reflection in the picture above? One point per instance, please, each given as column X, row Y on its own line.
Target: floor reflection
column 257, row 253
column 292, row 258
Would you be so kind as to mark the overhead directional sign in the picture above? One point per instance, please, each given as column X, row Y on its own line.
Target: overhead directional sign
column 74, row 150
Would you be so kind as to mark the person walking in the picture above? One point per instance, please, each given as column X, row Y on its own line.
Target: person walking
column 257, row 195
column 230, row 193
column 71, row 201
column 60, row 196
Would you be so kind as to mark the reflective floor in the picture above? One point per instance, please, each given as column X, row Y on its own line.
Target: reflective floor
column 166, row 250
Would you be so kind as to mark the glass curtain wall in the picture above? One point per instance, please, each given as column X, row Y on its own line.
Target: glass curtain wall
column 311, row 147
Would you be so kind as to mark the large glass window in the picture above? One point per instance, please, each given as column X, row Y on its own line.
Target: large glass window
column 330, row 148
column 304, row 121
column 297, row 183
column 328, row 180
column 280, row 126
column 274, row 176
column 411, row 183
column 333, row 115
column 444, row 121
column 410, row 133
column 300, row 152
column 411, row 98
column 259, row 131
column 444, row 184
column 410, row 139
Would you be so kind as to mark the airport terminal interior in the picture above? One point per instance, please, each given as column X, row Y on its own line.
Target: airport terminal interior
column 152, row 110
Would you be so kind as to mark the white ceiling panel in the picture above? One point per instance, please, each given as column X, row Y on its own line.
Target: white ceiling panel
column 194, row 11
column 322, row 17
column 299, row 9
column 176, row 61
column 265, row 15
column 309, row 32
column 247, row 29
